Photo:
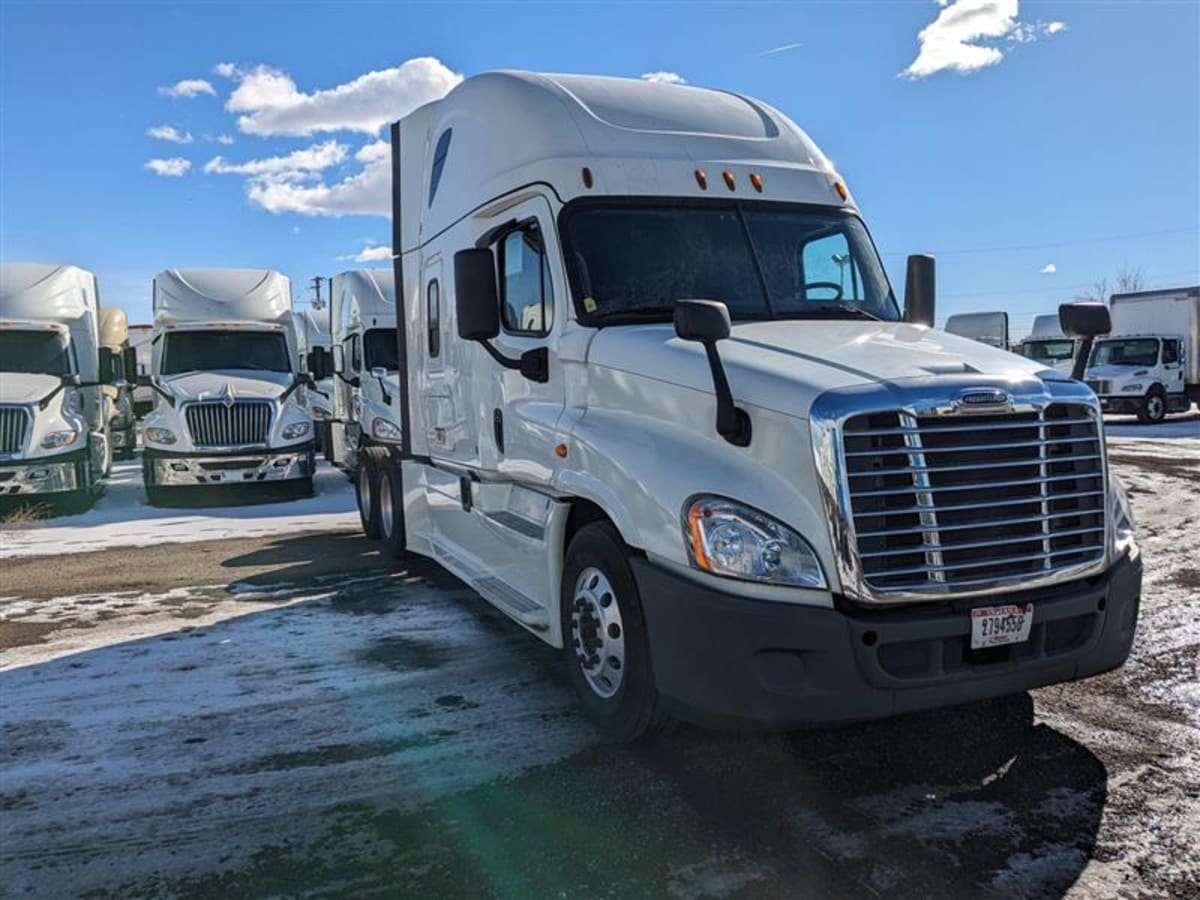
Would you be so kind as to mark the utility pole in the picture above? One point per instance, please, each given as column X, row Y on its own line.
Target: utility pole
column 315, row 284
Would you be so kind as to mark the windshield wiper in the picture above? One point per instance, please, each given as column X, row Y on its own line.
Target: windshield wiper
column 834, row 311
column 630, row 316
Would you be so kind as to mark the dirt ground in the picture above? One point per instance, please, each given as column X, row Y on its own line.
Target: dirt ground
column 286, row 716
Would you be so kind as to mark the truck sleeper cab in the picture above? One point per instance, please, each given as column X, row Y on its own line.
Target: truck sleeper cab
column 659, row 405
column 54, row 434
column 231, row 404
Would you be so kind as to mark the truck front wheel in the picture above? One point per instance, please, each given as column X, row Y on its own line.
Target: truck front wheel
column 604, row 634
column 1154, row 407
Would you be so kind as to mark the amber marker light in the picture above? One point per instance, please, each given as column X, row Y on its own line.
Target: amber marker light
column 561, row 451
column 695, row 514
column 702, row 179
column 729, row 182
column 756, row 181
column 587, row 178
column 841, row 190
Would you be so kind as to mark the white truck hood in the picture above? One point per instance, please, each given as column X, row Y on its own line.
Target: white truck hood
column 785, row 365
column 26, row 387
column 237, row 382
column 1112, row 372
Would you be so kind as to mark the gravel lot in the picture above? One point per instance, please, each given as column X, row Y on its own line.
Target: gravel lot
column 284, row 714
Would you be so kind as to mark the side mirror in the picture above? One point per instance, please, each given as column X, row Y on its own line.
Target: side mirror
column 378, row 372
column 108, row 367
column 338, row 359
column 129, row 356
column 319, row 363
column 1083, row 320
column 707, row 321
column 920, row 290
column 476, row 301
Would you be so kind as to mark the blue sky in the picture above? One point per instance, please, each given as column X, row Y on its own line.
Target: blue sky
column 1004, row 140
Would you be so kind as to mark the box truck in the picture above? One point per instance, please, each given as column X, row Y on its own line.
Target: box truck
column 143, row 394
column 1048, row 345
column 54, row 439
column 658, row 404
column 114, row 335
column 989, row 328
column 231, row 397
column 366, row 383
column 1150, row 364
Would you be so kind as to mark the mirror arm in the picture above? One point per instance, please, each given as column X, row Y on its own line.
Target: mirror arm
column 1081, row 358
column 533, row 364
column 387, row 398
column 733, row 423
column 494, row 234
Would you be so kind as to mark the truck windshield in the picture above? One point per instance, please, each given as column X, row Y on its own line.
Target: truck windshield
column 1131, row 352
column 35, row 352
column 206, row 351
column 630, row 261
column 381, row 349
column 1049, row 351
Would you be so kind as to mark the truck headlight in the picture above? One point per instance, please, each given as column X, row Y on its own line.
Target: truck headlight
column 1124, row 528
column 56, row 439
column 296, row 430
column 1132, row 389
column 726, row 538
column 384, row 430
column 319, row 413
column 159, row 435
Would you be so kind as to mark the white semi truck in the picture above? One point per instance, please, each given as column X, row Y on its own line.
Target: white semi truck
column 366, row 382
column 1150, row 363
column 312, row 334
column 114, row 335
column 231, row 404
column 989, row 328
column 143, row 395
column 1048, row 345
column 54, row 434
column 659, row 405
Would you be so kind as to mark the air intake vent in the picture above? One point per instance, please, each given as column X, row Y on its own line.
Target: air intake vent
column 964, row 502
column 14, row 425
column 245, row 423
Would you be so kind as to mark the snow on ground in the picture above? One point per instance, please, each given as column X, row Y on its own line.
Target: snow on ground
column 122, row 517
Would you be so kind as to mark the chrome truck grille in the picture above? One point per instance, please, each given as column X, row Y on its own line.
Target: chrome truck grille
column 14, row 426
column 244, row 423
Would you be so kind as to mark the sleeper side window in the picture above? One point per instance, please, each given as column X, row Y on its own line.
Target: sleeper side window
column 433, row 319
column 526, row 297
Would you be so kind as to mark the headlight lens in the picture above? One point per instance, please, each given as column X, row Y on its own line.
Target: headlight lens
column 384, row 430
column 159, row 435
column 296, row 430
column 319, row 412
column 1132, row 389
column 56, row 439
column 727, row 538
column 1124, row 528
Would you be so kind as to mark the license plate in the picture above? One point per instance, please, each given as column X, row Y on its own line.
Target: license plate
column 992, row 626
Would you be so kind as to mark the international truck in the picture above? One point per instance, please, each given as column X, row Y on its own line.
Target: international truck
column 1048, row 345
column 1150, row 364
column 54, row 430
column 114, row 335
column 231, row 396
column 366, row 382
column 143, row 394
column 989, row 328
column 659, row 405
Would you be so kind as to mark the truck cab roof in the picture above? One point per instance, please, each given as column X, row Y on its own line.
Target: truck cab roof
column 225, row 295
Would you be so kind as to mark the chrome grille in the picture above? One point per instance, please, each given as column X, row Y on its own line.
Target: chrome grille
column 965, row 501
column 1100, row 387
column 14, row 426
column 242, row 424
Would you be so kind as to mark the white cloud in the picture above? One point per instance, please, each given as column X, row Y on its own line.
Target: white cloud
column 227, row 69
column 187, row 88
column 370, row 253
column 957, row 39
column 664, row 78
column 169, row 133
column 298, row 165
column 367, row 192
column 271, row 104
column 175, row 167
column 1049, row 269
column 224, row 139
column 782, row 48
column 374, row 151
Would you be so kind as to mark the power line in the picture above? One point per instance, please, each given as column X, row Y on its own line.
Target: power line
column 1052, row 244
column 1189, row 274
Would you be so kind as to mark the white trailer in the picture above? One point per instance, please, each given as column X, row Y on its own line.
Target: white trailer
column 231, row 395
column 1048, row 345
column 989, row 328
column 788, row 501
column 1150, row 363
column 54, row 438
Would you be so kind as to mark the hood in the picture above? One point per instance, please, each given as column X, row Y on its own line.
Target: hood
column 1114, row 371
column 26, row 387
column 785, row 365
column 239, row 382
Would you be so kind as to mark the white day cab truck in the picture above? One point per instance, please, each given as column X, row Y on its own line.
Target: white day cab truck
column 1150, row 364
column 1048, row 345
column 54, row 438
column 366, row 383
column 231, row 404
column 114, row 336
column 659, row 405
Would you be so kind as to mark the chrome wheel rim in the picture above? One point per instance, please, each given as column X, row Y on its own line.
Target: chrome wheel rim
column 385, row 504
column 364, row 493
column 1154, row 406
column 597, row 632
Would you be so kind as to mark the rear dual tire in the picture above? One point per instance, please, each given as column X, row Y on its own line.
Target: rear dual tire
column 380, row 495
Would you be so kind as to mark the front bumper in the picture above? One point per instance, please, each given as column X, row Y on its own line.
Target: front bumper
column 1125, row 404
column 723, row 658
column 161, row 469
column 124, row 438
column 26, row 477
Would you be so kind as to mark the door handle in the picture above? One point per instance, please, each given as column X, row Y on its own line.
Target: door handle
column 498, row 429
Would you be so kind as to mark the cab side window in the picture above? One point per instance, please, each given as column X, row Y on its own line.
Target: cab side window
column 1170, row 353
column 355, row 354
column 526, row 297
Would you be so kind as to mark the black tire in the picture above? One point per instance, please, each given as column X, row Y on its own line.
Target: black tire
column 632, row 708
column 1153, row 408
column 157, row 496
column 366, row 489
column 81, row 499
column 392, row 532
